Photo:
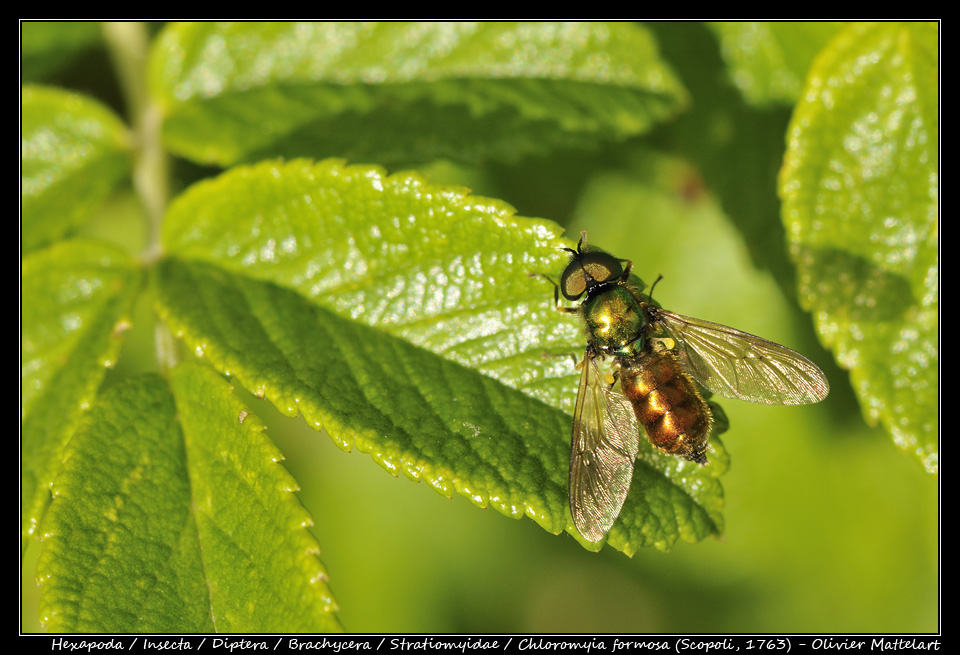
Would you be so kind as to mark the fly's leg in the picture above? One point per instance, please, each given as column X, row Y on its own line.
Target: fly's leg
column 556, row 295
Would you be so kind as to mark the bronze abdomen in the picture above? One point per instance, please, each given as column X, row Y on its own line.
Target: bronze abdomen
column 667, row 403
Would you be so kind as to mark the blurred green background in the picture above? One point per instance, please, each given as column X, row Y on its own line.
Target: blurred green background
column 829, row 527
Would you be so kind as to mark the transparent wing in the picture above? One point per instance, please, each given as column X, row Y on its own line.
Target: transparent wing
column 604, row 445
column 735, row 364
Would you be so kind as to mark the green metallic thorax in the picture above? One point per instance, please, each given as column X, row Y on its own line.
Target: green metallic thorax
column 615, row 320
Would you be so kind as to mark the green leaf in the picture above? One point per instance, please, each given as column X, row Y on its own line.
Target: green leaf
column 433, row 265
column 73, row 152
column 769, row 61
column 275, row 269
column 860, row 191
column 405, row 91
column 44, row 46
column 171, row 514
column 77, row 302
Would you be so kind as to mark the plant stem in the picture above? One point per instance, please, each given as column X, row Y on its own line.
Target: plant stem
column 129, row 46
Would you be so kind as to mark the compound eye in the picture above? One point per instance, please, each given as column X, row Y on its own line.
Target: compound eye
column 601, row 266
column 586, row 270
column 573, row 282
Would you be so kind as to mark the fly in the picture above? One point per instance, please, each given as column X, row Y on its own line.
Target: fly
column 657, row 355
